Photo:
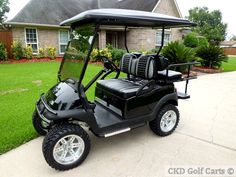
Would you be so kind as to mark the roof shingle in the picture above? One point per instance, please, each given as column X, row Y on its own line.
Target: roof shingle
column 52, row 12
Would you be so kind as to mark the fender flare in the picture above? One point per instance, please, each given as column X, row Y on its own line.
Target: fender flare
column 170, row 98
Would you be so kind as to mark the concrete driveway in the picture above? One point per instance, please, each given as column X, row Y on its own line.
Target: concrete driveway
column 205, row 136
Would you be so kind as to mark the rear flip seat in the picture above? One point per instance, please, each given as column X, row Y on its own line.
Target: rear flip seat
column 172, row 75
column 162, row 64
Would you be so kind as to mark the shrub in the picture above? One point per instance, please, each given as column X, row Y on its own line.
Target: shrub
column 141, row 51
column 193, row 40
column 105, row 52
column 109, row 46
column 177, row 52
column 51, row 52
column 94, row 55
column 212, row 56
column 73, row 54
column 154, row 51
column 117, row 54
column 202, row 41
column 112, row 53
column 28, row 52
column 17, row 50
column 3, row 52
column 42, row 53
column 81, row 55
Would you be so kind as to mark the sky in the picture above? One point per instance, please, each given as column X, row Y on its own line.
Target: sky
column 227, row 8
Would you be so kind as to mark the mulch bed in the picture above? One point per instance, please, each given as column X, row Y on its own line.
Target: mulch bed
column 36, row 60
column 206, row 70
column 191, row 74
column 33, row 60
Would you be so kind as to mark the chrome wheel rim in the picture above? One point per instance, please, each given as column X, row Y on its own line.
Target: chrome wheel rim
column 168, row 121
column 68, row 149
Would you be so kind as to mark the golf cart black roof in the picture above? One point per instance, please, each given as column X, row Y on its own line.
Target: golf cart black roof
column 123, row 17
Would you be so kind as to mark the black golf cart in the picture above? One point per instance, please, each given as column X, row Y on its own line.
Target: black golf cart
column 146, row 96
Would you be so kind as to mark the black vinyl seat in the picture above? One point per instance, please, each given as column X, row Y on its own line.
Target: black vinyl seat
column 142, row 68
column 123, row 88
column 162, row 64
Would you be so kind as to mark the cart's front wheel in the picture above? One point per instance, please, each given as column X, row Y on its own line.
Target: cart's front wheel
column 166, row 121
column 38, row 125
column 66, row 146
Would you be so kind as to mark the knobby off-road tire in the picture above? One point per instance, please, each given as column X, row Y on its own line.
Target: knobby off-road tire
column 166, row 113
column 37, row 124
column 59, row 134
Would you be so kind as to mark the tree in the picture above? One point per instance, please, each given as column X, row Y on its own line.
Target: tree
column 194, row 40
column 4, row 8
column 191, row 40
column 209, row 24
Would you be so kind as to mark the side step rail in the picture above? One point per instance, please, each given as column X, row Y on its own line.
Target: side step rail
column 117, row 132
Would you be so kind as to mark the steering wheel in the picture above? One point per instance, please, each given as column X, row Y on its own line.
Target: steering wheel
column 110, row 65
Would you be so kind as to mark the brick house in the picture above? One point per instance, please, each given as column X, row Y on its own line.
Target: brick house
column 229, row 47
column 37, row 24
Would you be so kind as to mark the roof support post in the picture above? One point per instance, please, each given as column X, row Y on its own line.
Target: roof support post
column 126, row 47
column 162, row 40
column 88, row 55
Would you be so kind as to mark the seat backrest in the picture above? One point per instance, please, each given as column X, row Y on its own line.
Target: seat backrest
column 162, row 63
column 125, row 65
column 146, row 67
column 133, row 67
column 143, row 67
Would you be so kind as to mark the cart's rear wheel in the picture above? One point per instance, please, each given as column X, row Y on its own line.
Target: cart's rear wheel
column 166, row 121
column 66, row 146
column 38, row 125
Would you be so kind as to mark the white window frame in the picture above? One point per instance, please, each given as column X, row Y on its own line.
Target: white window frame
column 37, row 43
column 59, row 41
column 167, row 31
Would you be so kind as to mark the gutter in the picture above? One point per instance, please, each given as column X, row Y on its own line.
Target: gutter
column 8, row 23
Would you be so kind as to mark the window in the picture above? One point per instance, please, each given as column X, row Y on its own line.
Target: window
column 31, row 38
column 63, row 40
column 166, row 38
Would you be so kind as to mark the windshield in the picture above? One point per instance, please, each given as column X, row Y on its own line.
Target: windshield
column 76, row 53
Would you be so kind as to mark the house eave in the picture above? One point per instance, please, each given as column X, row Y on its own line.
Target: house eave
column 178, row 9
column 156, row 6
column 19, row 24
column 176, row 4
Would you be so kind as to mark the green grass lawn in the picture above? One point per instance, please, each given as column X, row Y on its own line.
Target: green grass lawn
column 230, row 65
column 20, row 87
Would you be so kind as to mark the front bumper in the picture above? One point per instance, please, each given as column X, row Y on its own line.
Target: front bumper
column 42, row 109
column 49, row 116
